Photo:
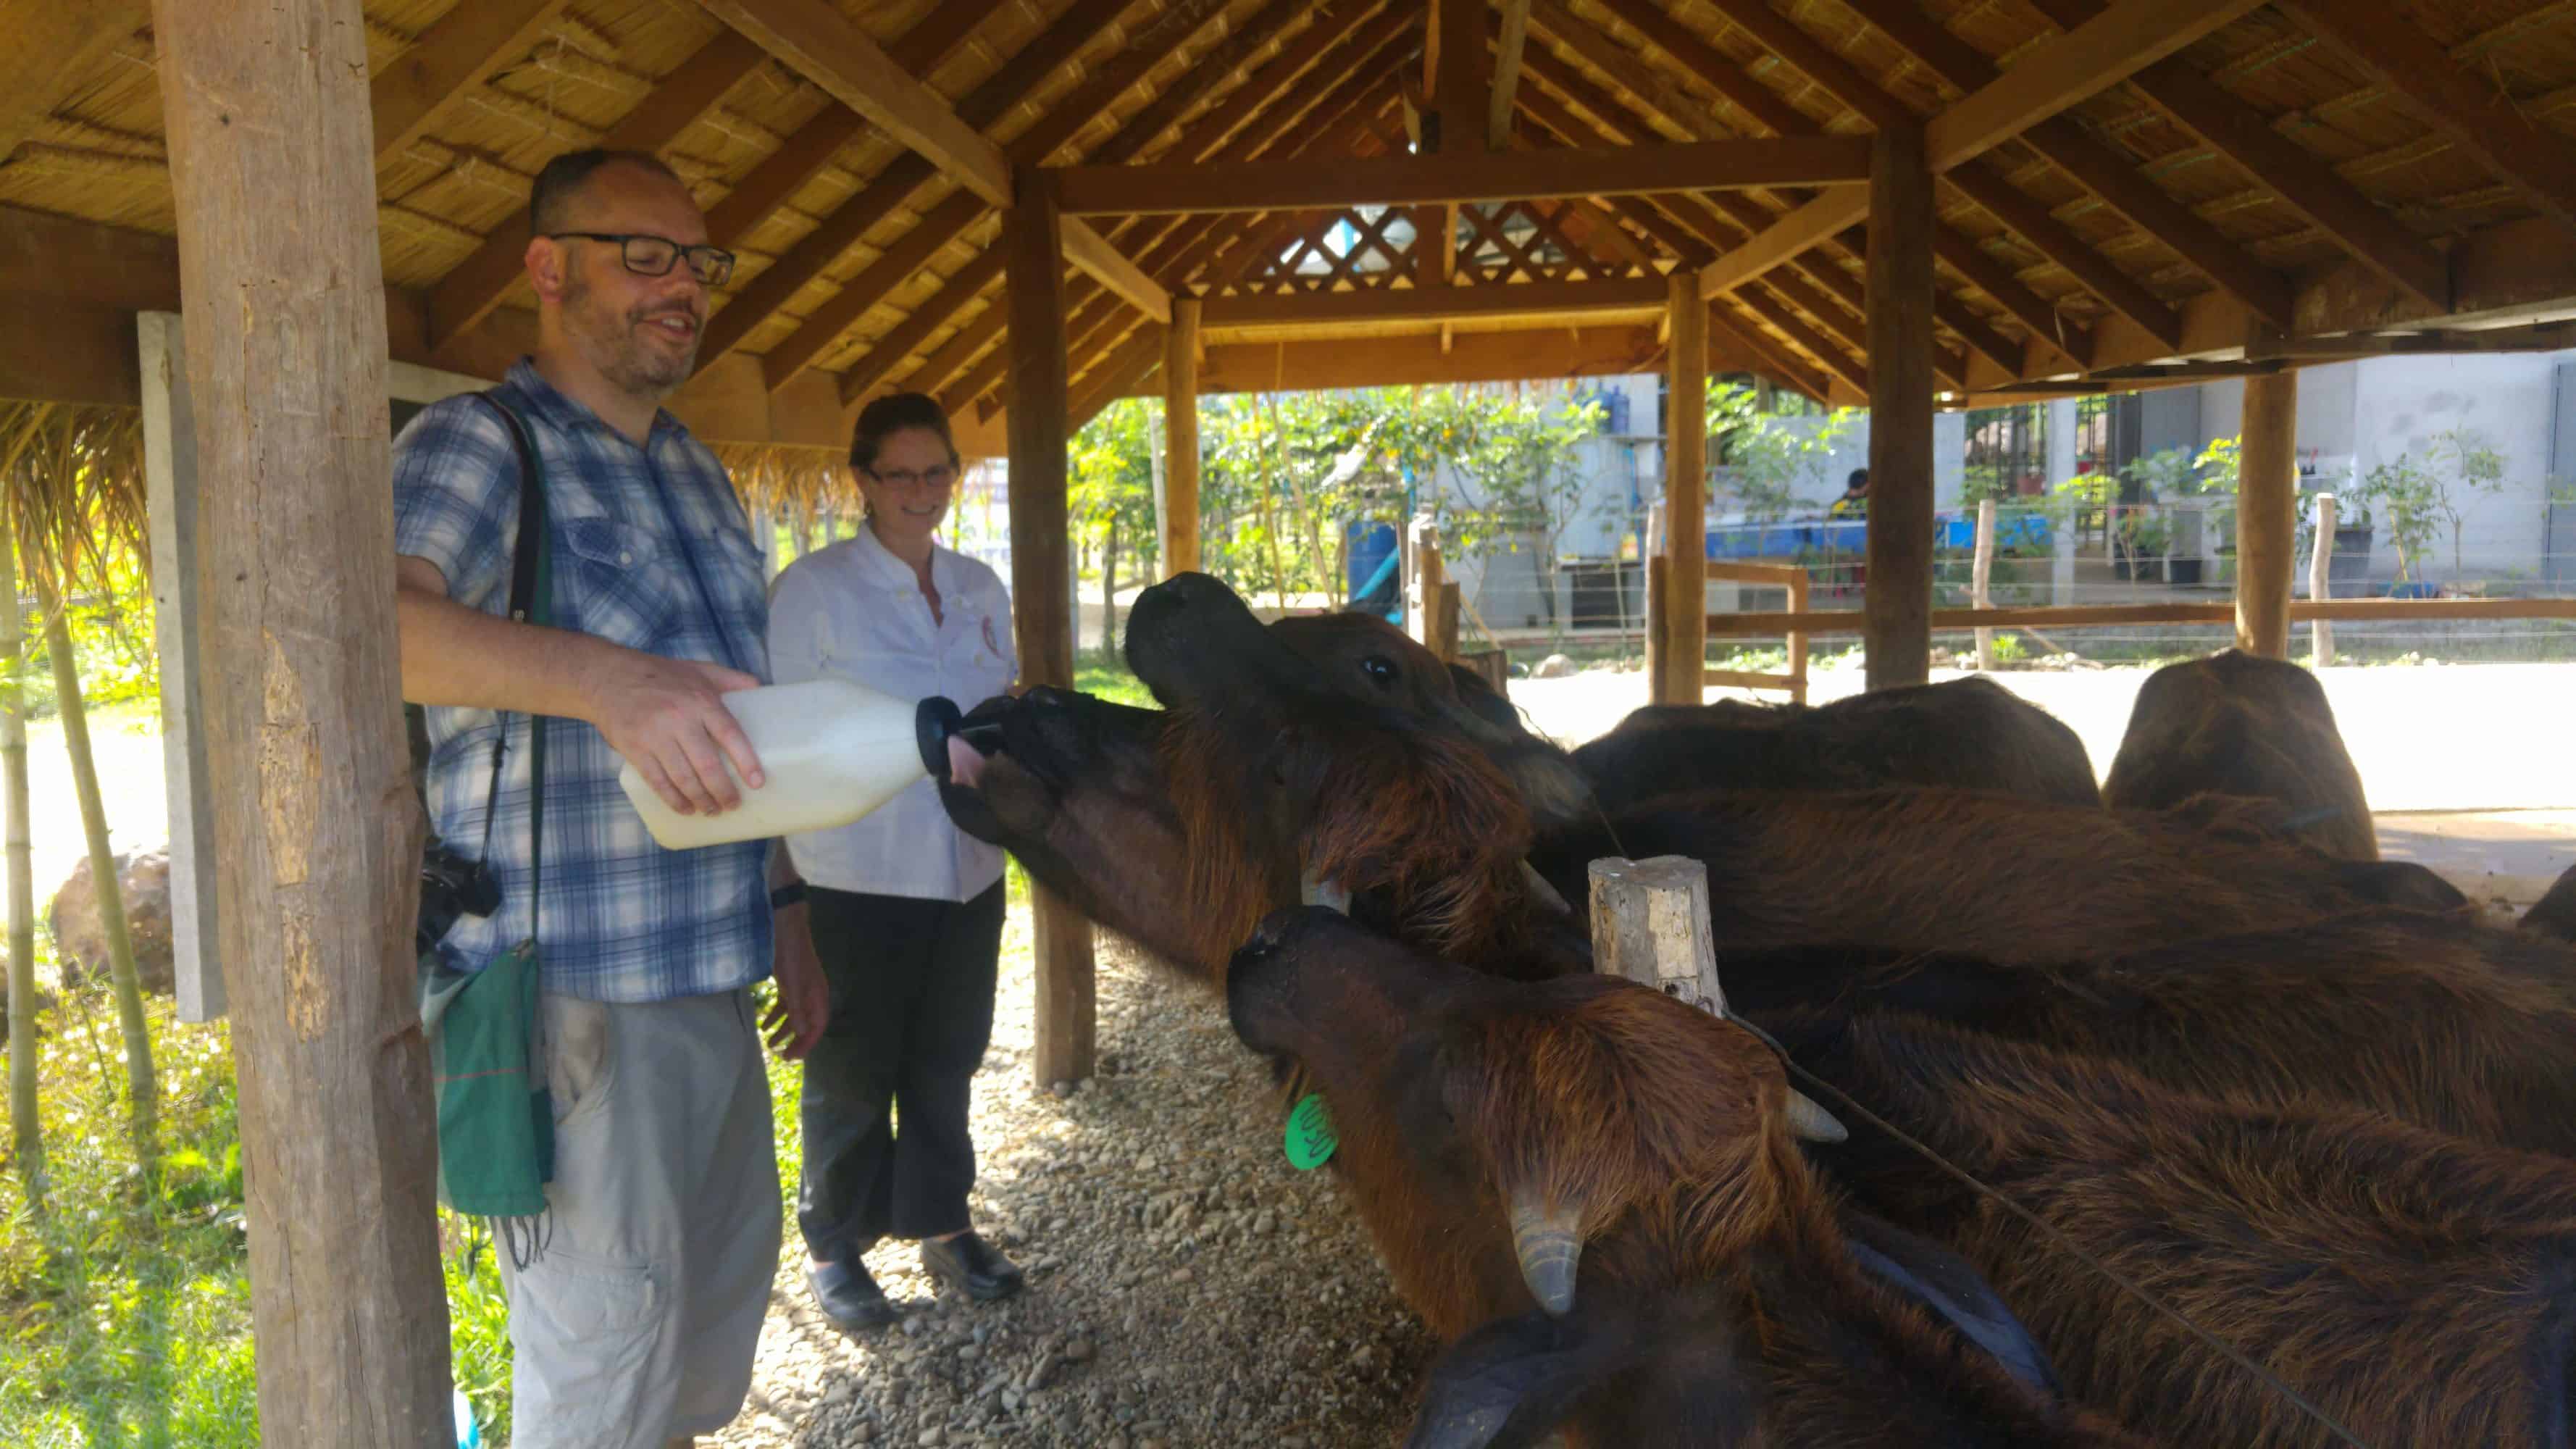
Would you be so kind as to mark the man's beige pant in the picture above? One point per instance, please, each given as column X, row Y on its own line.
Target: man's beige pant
column 637, row 1323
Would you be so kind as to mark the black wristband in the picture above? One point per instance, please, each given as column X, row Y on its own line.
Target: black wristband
column 787, row 895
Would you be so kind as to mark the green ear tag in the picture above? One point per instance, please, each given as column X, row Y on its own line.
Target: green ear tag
column 1310, row 1136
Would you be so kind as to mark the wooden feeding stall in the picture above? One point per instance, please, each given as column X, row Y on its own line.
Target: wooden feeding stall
column 260, row 222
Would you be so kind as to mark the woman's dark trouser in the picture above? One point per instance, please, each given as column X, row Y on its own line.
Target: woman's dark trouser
column 912, row 1011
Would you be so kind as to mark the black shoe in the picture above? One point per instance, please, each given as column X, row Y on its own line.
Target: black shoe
column 968, row 1262
column 849, row 1297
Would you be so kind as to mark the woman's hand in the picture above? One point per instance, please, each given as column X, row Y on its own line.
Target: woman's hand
column 795, row 1021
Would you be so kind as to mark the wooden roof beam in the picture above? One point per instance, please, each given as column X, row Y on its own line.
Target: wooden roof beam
column 802, row 156
column 1471, row 177
column 1836, row 361
column 2025, row 217
column 2300, row 178
column 1752, row 217
column 904, row 260
column 1508, row 45
column 815, row 40
column 54, row 48
column 2147, row 31
column 818, row 251
column 1210, row 132
column 2098, row 168
column 1462, row 87
column 1748, row 339
column 1107, row 265
column 1543, row 300
column 1704, row 64
column 453, row 56
column 2478, row 117
column 471, row 289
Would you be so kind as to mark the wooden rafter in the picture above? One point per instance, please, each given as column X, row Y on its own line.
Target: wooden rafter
column 2473, row 112
column 2053, row 239
column 1508, row 45
column 2106, row 173
column 819, row 250
column 2147, row 31
column 904, row 260
column 451, row 57
column 53, row 48
column 899, row 342
column 814, row 39
column 2302, row 180
column 1700, row 61
column 1836, row 360
column 1464, row 177
column 802, row 156
column 1211, row 135
column 1743, row 212
column 1461, row 91
column 1724, row 326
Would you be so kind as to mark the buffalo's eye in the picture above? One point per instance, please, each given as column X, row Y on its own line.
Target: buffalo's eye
column 1380, row 670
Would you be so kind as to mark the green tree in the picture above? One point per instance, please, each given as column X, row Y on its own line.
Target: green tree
column 2464, row 467
column 1110, row 498
column 1766, row 460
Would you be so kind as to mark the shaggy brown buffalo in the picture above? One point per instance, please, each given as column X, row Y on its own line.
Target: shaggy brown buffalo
column 2460, row 1027
column 1970, row 734
column 1624, row 1166
column 2240, row 724
column 2555, row 913
column 2419, row 1288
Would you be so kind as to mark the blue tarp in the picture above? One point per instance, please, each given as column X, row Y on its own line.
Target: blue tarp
column 1851, row 536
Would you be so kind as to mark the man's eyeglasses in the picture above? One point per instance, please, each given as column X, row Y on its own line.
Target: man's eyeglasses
column 653, row 256
column 935, row 477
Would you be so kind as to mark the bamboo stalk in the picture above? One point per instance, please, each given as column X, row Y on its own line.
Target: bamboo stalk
column 143, row 1097
column 26, row 1133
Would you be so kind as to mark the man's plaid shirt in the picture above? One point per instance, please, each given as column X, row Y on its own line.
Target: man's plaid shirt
column 623, row 920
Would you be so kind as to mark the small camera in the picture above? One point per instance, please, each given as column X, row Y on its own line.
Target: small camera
column 451, row 886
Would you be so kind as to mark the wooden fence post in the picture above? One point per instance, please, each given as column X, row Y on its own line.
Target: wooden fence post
column 1985, row 568
column 1659, row 599
column 1798, row 640
column 1650, row 923
column 2320, row 560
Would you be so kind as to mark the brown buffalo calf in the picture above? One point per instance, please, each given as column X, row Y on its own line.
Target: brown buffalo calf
column 2418, row 1288
column 2459, row 1027
column 2240, row 724
column 2554, row 914
column 1624, row 1166
column 1968, row 734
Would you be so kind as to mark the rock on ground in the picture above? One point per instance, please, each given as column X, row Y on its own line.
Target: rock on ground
column 80, row 936
column 1185, row 1285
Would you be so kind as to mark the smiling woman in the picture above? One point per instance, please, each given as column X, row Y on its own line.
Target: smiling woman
column 907, row 911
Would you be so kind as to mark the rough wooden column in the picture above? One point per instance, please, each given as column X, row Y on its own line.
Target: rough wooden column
column 2267, row 499
column 307, row 766
column 1897, row 631
column 1181, row 439
column 1042, row 579
column 1685, row 657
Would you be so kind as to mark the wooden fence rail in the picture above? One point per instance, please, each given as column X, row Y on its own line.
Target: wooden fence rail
column 2091, row 616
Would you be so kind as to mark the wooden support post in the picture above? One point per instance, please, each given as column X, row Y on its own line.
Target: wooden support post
column 1659, row 629
column 1797, row 640
column 1685, row 660
column 2267, row 514
column 1181, row 438
column 170, row 509
column 1650, row 923
column 2320, row 585
column 1978, row 594
column 1898, row 636
column 266, row 104
column 1042, row 580
column 1422, row 598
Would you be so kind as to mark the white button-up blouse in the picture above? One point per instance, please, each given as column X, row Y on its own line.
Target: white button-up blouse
column 854, row 611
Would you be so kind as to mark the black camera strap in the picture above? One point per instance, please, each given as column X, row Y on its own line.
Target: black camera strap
column 531, row 602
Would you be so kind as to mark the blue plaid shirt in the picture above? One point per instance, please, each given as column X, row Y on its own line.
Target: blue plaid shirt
column 622, row 919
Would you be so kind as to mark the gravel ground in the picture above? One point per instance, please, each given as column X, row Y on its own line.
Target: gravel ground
column 1186, row 1286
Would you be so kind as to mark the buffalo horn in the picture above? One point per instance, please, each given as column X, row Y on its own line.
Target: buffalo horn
column 1812, row 1123
column 1546, row 893
column 1550, row 1249
column 1314, row 891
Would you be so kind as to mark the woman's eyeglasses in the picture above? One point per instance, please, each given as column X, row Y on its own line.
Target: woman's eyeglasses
column 653, row 256
column 938, row 477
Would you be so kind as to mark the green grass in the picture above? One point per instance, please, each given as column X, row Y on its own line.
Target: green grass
column 124, row 1302
column 1107, row 677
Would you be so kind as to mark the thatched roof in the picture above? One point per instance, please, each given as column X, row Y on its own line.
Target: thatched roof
column 2273, row 177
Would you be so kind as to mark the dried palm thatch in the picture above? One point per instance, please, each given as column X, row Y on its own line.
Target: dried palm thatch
column 72, row 479
column 791, row 482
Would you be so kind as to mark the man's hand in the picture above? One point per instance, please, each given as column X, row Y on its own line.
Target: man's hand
column 795, row 1021
column 666, row 717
